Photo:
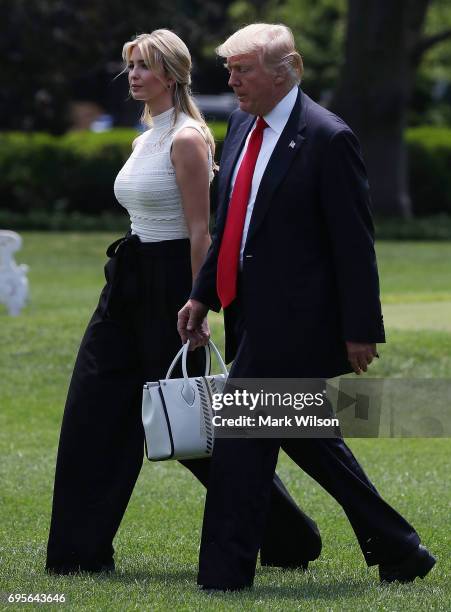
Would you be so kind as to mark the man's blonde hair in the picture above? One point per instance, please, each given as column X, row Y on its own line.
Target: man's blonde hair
column 275, row 43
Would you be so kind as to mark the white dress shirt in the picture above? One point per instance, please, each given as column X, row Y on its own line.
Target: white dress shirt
column 276, row 119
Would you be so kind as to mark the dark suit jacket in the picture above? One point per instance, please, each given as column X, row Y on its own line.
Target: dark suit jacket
column 309, row 278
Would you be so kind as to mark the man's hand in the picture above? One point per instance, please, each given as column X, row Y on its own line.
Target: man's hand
column 192, row 324
column 360, row 355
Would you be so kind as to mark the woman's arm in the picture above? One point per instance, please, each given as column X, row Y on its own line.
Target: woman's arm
column 191, row 162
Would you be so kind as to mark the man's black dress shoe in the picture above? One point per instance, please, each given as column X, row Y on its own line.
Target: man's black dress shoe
column 108, row 568
column 292, row 565
column 64, row 570
column 209, row 588
column 416, row 564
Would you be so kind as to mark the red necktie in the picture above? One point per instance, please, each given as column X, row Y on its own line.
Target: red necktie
column 229, row 251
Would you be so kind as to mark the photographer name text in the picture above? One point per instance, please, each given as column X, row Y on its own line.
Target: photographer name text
column 263, row 420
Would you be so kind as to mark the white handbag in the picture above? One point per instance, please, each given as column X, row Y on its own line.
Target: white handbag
column 177, row 413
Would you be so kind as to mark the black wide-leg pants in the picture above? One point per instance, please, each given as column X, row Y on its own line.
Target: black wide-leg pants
column 132, row 338
column 239, row 492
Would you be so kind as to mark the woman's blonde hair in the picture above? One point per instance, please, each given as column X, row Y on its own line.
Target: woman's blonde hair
column 164, row 50
column 275, row 42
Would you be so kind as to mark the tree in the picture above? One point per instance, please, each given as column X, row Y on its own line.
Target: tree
column 431, row 101
column 57, row 50
column 385, row 42
column 384, row 46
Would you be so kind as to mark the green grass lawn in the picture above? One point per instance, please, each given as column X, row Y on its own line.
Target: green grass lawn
column 157, row 545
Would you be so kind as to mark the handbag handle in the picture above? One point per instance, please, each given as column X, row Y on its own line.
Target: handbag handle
column 184, row 353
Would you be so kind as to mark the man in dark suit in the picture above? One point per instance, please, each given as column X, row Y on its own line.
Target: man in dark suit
column 292, row 263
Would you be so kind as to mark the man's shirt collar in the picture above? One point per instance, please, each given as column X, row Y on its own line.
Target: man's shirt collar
column 277, row 117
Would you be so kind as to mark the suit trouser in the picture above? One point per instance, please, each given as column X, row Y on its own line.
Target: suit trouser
column 238, row 497
column 131, row 339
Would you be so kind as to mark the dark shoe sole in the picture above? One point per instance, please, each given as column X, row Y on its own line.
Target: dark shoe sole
column 421, row 571
column 208, row 588
column 69, row 570
column 428, row 564
column 295, row 565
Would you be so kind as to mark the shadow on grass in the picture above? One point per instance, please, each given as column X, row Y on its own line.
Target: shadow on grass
column 168, row 578
column 307, row 590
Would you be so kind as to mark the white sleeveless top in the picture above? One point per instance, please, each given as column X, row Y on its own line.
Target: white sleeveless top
column 146, row 184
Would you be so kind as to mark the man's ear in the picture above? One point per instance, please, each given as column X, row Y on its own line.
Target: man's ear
column 280, row 76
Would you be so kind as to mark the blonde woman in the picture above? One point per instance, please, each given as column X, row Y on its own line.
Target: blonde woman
column 132, row 336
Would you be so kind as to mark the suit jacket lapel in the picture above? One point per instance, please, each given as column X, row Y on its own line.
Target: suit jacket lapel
column 279, row 163
column 232, row 149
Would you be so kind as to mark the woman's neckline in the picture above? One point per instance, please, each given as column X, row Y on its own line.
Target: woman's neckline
column 163, row 119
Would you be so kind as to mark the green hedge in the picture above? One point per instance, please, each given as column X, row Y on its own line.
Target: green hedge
column 74, row 174
column 430, row 169
column 61, row 174
column 65, row 174
column 57, row 221
column 436, row 227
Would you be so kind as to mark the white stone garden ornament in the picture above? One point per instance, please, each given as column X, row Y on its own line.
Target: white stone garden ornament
column 13, row 276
